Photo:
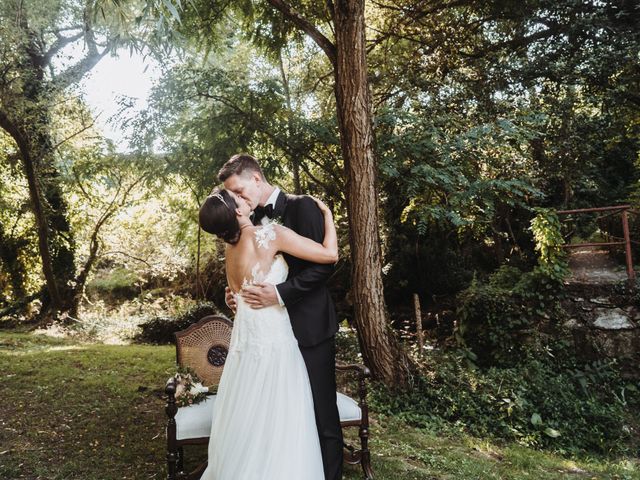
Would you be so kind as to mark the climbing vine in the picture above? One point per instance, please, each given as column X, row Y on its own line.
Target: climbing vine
column 547, row 234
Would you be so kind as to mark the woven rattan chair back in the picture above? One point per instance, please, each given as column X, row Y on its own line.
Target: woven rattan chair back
column 204, row 346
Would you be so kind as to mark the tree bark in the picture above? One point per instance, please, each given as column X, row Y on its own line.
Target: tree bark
column 381, row 351
column 36, row 206
column 380, row 348
column 26, row 116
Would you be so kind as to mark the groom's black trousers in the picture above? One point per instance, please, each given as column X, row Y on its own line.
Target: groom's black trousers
column 321, row 365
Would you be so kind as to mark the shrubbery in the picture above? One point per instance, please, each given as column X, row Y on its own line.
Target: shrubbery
column 497, row 318
column 160, row 329
column 536, row 402
column 119, row 283
column 509, row 382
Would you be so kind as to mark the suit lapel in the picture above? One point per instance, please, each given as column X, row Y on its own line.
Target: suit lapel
column 280, row 205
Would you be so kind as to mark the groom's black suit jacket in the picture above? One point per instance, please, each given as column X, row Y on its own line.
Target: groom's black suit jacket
column 305, row 293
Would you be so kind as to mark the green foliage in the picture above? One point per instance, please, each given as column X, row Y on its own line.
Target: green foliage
column 497, row 319
column 152, row 232
column 538, row 402
column 467, row 139
column 160, row 329
column 482, row 110
column 436, row 162
column 445, row 215
column 203, row 112
column 547, row 232
column 19, row 265
column 545, row 399
column 117, row 283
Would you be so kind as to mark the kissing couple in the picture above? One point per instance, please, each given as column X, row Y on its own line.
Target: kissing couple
column 275, row 415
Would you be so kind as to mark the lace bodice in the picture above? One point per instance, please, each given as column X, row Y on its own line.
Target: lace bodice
column 265, row 235
column 276, row 273
column 277, row 270
column 257, row 331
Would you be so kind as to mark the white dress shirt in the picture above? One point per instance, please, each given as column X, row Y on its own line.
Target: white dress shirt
column 270, row 201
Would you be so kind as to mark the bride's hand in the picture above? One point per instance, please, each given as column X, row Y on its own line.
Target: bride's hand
column 321, row 205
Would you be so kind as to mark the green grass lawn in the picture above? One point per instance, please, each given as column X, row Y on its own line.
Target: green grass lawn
column 95, row 412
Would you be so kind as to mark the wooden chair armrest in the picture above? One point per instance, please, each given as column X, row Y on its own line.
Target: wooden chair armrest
column 172, row 445
column 170, row 389
column 363, row 372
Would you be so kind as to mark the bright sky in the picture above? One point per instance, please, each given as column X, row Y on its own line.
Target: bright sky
column 113, row 78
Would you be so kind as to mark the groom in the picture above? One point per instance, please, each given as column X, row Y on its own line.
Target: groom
column 304, row 293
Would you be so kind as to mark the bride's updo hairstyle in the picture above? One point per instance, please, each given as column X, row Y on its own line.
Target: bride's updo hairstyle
column 218, row 216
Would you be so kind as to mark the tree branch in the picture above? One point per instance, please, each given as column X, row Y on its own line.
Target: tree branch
column 306, row 26
column 125, row 254
column 278, row 141
column 75, row 134
column 77, row 71
column 514, row 43
column 413, row 15
column 8, row 126
column 60, row 43
column 94, row 244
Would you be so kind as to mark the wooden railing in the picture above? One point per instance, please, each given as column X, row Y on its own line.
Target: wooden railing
column 626, row 241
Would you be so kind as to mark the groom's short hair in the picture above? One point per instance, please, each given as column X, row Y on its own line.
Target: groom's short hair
column 238, row 164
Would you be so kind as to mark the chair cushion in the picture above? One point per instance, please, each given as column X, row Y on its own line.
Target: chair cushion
column 348, row 408
column 194, row 421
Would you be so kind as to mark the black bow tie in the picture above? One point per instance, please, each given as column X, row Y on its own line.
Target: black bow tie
column 260, row 212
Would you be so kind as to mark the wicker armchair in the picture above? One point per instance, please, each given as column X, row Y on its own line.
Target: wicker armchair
column 204, row 347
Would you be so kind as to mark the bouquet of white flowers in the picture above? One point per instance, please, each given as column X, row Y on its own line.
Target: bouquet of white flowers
column 189, row 388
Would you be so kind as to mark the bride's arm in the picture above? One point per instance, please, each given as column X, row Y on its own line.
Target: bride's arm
column 304, row 248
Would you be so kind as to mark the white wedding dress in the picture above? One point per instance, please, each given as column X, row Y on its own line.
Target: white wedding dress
column 263, row 425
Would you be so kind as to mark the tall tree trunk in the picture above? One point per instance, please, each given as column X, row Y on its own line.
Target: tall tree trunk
column 56, row 239
column 380, row 348
column 379, row 345
column 61, row 237
column 26, row 116
column 37, row 208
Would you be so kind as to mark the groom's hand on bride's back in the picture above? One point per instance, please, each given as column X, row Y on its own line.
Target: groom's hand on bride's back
column 230, row 299
column 260, row 295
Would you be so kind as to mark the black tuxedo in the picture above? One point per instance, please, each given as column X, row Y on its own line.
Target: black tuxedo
column 313, row 318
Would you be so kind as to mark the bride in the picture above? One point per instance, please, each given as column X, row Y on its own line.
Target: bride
column 263, row 425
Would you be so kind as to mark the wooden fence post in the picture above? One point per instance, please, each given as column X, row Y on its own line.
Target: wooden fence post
column 419, row 335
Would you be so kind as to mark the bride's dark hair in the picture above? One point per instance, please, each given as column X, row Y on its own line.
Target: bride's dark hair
column 218, row 216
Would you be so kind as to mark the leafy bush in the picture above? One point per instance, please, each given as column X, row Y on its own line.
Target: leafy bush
column 547, row 232
column 496, row 319
column 117, row 283
column 160, row 329
column 347, row 347
column 537, row 403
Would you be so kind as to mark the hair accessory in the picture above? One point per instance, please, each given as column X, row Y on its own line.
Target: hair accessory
column 219, row 197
